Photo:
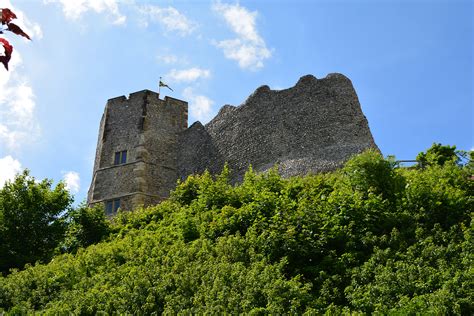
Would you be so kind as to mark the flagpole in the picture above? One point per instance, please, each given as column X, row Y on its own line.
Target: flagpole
column 159, row 86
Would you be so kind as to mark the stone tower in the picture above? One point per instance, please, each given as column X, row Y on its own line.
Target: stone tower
column 136, row 156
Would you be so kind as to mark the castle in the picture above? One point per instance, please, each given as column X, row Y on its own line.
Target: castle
column 145, row 144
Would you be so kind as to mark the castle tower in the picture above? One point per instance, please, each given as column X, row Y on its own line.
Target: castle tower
column 136, row 156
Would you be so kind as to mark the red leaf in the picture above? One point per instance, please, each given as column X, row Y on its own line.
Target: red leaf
column 8, row 52
column 7, row 15
column 17, row 30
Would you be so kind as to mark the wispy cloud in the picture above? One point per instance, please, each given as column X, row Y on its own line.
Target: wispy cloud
column 200, row 106
column 188, row 75
column 248, row 49
column 169, row 18
column 72, row 181
column 9, row 167
column 167, row 59
column 75, row 9
column 172, row 59
column 18, row 123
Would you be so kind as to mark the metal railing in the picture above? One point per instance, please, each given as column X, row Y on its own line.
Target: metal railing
column 418, row 163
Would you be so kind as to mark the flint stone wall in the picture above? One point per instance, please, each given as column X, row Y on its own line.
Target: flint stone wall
column 312, row 127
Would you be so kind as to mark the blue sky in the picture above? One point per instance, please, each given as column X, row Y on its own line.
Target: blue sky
column 411, row 63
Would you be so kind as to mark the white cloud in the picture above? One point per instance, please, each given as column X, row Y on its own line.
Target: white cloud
column 75, row 9
column 9, row 167
column 72, row 181
column 200, row 107
column 248, row 49
column 248, row 55
column 167, row 59
column 18, row 124
column 188, row 75
column 171, row 59
column 241, row 21
column 170, row 18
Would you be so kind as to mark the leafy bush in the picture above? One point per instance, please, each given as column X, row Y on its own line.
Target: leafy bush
column 438, row 154
column 86, row 226
column 368, row 238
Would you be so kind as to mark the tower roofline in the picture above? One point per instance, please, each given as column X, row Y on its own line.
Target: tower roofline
column 171, row 98
column 141, row 93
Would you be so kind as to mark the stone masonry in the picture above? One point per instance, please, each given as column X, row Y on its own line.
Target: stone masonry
column 312, row 127
column 147, row 128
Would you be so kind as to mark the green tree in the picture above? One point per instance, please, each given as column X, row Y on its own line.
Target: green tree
column 467, row 160
column 438, row 154
column 30, row 220
column 86, row 226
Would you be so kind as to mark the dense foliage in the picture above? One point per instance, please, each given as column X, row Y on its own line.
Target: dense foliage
column 85, row 226
column 439, row 154
column 30, row 223
column 367, row 238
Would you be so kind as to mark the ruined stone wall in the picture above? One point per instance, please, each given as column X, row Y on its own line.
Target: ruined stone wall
column 312, row 127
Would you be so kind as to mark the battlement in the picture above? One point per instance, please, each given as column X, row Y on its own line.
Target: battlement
column 155, row 96
column 311, row 127
column 117, row 100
